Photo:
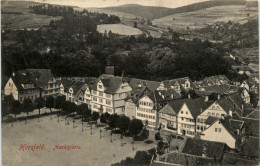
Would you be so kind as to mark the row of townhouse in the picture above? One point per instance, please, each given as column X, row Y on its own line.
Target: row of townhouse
column 31, row 83
column 195, row 118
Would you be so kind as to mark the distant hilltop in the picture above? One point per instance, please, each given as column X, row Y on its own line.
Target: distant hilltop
column 153, row 12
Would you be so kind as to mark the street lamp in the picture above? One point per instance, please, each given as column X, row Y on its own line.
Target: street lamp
column 73, row 123
column 111, row 140
column 133, row 147
column 121, row 137
column 91, row 129
column 100, row 133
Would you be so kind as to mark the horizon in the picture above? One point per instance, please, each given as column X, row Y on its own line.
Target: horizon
column 114, row 3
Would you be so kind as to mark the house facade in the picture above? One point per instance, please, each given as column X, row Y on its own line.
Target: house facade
column 226, row 130
column 22, row 87
column 109, row 94
column 146, row 111
column 187, row 115
column 130, row 107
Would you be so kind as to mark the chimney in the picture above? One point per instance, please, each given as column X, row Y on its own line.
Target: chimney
column 218, row 96
column 230, row 112
column 206, row 98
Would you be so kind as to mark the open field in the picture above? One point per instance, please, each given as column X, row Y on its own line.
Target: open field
column 95, row 151
column 106, row 11
column 119, row 29
column 202, row 18
column 15, row 15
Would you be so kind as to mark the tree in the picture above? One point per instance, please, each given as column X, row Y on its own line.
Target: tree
column 95, row 116
column 112, row 120
column 135, row 127
column 160, row 148
column 59, row 100
column 158, row 136
column 123, row 123
column 49, row 102
column 86, row 114
column 82, row 108
column 16, row 109
column 142, row 158
column 39, row 103
column 27, row 106
column 104, row 117
column 69, row 107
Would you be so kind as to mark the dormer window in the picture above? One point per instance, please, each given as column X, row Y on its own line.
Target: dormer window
column 100, row 86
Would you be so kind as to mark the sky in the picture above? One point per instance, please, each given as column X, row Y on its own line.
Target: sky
column 107, row 3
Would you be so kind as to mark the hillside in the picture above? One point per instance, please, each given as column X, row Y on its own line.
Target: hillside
column 149, row 11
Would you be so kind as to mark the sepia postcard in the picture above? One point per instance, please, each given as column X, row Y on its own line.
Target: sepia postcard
column 130, row 82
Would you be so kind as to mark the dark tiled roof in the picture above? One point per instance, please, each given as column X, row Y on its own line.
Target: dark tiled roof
column 151, row 85
column 21, row 79
column 210, row 120
column 198, row 147
column 220, row 89
column 203, row 93
column 39, row 76
column 251, row 147
column 111, row 83
column 173, row 107
column 77, row 86
column 232, row 125
column 196, row 106
column 255, row 114
column 66, row 83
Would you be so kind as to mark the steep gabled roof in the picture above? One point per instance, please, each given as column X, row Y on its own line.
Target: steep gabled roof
column 197, row 147
column 254, row 115
column 151, row 85
column 21, row 79
column 110, row 82
column 77, row 86
column 232, row 125
column 196, row 106
column 40, row 77
column 210, row 120
column 172, row 108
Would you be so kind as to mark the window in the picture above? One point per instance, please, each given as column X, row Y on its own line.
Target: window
column 213, row 114
column 95, row 98
column 108, row 95
column 182, row 118
column 217, row 114
column 209, row 114
column 95, row 106
column 108, row 102
column 213, row 107
column 100, row 93
column 219, row 130
column 94, row 92
column 100, row 86
column 217, row 107
column 120, row 94
column 216, row 129
column 181, row 112
column 100, row 100
column 186, row 112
